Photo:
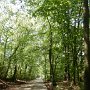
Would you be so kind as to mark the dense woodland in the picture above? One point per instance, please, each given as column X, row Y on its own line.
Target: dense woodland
column 45, row 38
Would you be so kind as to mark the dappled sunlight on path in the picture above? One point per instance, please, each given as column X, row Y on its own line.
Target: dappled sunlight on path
column 32, row 85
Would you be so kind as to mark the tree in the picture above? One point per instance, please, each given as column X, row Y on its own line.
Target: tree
column 87, row 43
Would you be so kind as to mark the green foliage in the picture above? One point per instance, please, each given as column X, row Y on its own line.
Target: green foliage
column 25, row 39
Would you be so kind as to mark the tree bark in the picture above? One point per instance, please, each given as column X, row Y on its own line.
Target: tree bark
column 87, row 42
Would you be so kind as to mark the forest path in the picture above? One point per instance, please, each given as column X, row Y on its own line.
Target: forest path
column 36, row 84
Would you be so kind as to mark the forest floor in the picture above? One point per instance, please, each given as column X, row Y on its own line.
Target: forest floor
column 63, row 85
column 36, row 84
column 39, row 84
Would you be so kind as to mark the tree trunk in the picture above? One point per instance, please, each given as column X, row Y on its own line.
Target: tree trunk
column 87, row 42
column 52, row 78
column 14, row 75
column 9, row 62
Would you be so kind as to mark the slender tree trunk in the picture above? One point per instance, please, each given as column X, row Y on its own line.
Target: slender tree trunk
column 74, row 61
column 67, row 66
column 45, row 66
column 52, row 77
column 5, row 46
column 25, row 72
column 15, row 73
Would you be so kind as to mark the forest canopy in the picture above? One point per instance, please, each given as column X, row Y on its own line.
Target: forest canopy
column 47, row 38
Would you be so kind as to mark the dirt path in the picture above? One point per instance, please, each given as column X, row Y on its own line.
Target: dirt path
column 32, row 85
